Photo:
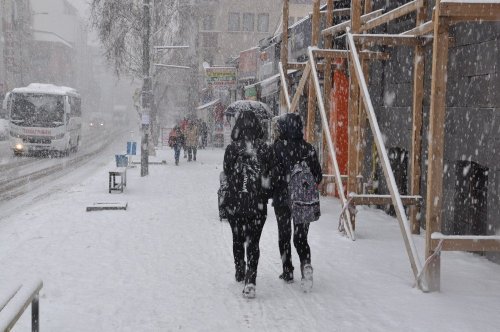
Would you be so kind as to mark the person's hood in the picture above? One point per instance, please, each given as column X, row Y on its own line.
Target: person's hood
column 247, row 127
column 290, row 126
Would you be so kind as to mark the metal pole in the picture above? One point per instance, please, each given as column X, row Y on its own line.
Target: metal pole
column 146, row 91
column 35, row 320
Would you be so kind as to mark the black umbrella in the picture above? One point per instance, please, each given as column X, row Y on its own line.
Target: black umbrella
column 261, row 110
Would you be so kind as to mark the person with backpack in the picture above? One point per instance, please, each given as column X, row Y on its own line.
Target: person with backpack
column 295, row 174
column 246, row 166
column 176, row 141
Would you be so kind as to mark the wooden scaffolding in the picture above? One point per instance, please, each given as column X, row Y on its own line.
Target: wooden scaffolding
column 359, row 54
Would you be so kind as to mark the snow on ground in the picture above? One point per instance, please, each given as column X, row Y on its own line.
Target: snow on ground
column 165, row 264
column 5, row 152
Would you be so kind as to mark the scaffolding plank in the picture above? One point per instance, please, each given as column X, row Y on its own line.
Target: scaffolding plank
column 387, row 40
column 392, row 15
column 363, row 199
column 466, row 242
column 337, row 12
column 471, row 10
column 347, row 24
column 296, row 65
column 284, row 84
column 343, row 54
column 300, row 88
column 420, row 30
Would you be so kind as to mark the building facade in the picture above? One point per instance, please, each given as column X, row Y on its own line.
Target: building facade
column 15, row 44
column 227, row 27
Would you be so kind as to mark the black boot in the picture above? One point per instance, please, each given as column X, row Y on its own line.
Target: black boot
column 287, row 276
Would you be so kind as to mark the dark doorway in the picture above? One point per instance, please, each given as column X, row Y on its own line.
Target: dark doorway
column 398, row 158
column 470, row 199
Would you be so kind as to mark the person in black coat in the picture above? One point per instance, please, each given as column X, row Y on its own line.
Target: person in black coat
column 289, row 149
column 246, row 227
column 176, row 141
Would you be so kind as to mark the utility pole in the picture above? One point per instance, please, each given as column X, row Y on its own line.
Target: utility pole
column 146, row 90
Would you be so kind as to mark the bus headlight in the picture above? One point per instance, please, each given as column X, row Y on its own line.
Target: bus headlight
column 19, row 147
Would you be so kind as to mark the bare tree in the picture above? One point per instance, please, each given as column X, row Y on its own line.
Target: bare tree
column 119, row 26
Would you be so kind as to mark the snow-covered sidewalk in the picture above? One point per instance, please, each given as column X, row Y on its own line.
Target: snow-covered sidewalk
column 165, row 264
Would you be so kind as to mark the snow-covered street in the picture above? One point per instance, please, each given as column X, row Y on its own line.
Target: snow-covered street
column 165, row 264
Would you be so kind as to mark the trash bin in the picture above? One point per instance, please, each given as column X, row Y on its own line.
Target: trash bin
column 121, row 160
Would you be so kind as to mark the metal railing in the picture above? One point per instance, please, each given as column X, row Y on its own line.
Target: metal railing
column 16, row 302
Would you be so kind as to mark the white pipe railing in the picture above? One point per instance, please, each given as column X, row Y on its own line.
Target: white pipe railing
column 18, row 302
column 384, row 160
column 324, row 120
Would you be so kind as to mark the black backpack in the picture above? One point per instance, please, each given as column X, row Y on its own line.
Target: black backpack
column 245, row 184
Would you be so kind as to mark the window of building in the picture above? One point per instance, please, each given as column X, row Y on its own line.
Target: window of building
column 248, row 21
column 263, row 23
column 208, row 23
column 234, row 22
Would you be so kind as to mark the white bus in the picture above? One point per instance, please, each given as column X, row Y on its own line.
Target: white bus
column 45, row 117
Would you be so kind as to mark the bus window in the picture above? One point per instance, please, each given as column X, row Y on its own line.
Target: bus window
column 32, row 110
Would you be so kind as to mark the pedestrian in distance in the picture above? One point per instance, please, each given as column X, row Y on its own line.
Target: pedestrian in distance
column 246, row 165
column 204, row 135
column 176, row 141
column 291, row 152
column 192, row 137
column 184, row 126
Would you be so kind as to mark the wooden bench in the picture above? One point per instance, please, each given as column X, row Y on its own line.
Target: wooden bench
column 14, row 303
column 117, row 179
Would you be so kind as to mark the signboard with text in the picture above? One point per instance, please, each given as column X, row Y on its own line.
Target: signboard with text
column 221, row 78
column 247, row 68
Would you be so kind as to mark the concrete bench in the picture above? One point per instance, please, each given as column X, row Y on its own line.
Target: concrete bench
column 117, row 179
column 13, row 304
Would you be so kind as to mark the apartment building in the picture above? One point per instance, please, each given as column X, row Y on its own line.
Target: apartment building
column 15, row 44
column 228, row 27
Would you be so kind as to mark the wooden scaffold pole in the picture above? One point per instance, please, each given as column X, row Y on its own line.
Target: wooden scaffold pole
column 416, row 133
column 353, row 115
column 328, row 42
column 284, row 56
column 363, row 120
column 434, row 199
column 311, row 104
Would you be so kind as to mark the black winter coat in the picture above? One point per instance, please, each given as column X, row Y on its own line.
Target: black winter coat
column 289, row 149
column 247, row 139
